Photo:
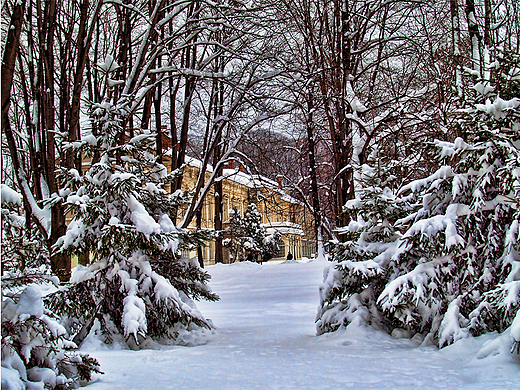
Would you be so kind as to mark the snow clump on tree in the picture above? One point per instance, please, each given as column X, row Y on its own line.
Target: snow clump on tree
column 36, row 351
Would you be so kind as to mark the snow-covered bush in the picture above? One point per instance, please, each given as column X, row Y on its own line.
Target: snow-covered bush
column 36, row 352
column 233, row 232
column 271, row 245
column 253, row 236
column 137, row 286
column 455, row 270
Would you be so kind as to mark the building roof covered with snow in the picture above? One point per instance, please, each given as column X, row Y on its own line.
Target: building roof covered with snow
column 279, row 209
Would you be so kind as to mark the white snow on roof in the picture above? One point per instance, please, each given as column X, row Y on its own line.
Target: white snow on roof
column 243, row 178
column 258, row 181
column 284, row 228
column 289, row 199
column 251, row 181
column 196, row 163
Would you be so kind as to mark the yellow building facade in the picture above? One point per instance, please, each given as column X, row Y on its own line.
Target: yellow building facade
column 279, row 210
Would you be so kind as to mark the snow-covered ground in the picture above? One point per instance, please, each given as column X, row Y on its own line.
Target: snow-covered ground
column 265, row 339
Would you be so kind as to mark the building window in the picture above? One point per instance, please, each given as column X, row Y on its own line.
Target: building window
column 281, row 250
column 308, row 248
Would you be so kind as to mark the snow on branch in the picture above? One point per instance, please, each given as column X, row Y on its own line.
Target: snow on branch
column 442, row 173
column 450, row 329
column 188, row 72
column 414, row 284
column 448, row 222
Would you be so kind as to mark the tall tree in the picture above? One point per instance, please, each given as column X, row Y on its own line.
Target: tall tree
column 350, row 54
column 47, row 110
column 137, row 281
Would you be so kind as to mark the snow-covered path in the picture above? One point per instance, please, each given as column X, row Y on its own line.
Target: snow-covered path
column 265, row 339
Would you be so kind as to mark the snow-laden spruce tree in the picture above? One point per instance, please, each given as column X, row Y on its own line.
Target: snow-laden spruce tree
column 233, row 233
column 357, row 274
column 456, row 268
column 271, row 245
column 247, row 235
column 253, row 234
column 23, row 246
column 36, row 349
column 137, row 287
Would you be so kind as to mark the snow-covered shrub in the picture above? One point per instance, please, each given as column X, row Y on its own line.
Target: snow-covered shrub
column 137, row 285
column 253, row 233
column 233, row 232
column 455, row 270
column 36, row 352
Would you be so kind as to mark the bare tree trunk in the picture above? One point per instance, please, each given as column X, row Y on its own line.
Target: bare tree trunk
column 83, row 43
column 457, row 57
column 31, row 95
column 60, row 263
column 189, row 88
column 173, row 127
column 316, row 209
column 124, row 37
column 36, row 173
column 487, row 23
column 183, row 141
column 475, row 38
column 8, row 65
column 217, row 155
column 219, row 207
column 65, row 55
column 173, row 89
column 200, row 255
column 158, row 117
column 9, row 60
